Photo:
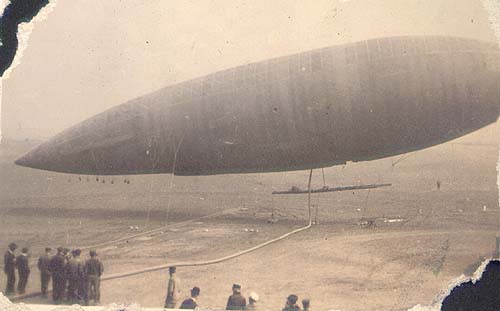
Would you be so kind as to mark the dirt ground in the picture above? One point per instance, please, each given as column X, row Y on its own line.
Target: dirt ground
column 420, row 237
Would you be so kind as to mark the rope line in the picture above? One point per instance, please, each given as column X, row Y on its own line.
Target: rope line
column 176, row 151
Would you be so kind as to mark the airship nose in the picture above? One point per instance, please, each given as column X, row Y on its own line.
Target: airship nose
column 60, row 155
column 103, row 145
column 22, row 161
column 38, row 158
column 25, row 160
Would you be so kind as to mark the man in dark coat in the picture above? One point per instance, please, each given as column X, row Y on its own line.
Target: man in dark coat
column 93, row 270
column 291, row 303
column 9, row 268
column 67, row 257
column 57, row 268
column 43, row 267
column 191, row 303
column 173, row 289
column 75, row 275
column 236, row 301
column 23, row 269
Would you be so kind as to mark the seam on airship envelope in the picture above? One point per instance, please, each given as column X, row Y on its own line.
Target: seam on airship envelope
column 23, row 26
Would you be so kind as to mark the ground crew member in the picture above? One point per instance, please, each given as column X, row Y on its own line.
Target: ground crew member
column 57, row 268
column 191, row 303
column 23, row 269
column 43, row 267
column 9, row 260
column 173, row 289
column 291, row 303
column 236, row 301
column 75, row 275
column 67, row 257
column 93, row 270
column 306, row 305
column 252, row 301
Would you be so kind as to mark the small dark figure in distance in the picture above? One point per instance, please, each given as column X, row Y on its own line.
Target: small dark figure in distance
column 291, row 303
column 75, row 275
column 23, row 269
column 306, row 305
column 67, row 257
column 173, row 289
column 191, row 303
column 236, row 301
column 43, row 267
column 9, row 261
column 93, row 270
column 57, row 268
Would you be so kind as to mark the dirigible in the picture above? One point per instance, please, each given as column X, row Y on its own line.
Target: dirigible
column 355, row 102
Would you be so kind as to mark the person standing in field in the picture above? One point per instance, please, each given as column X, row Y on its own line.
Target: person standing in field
column 43, row 267
column 67, row 257
column 74, row 272
column 306, row 305
column 291, row 303
column 173, row 289
column 93, row 270
column 236, row 301
column 191, row 303
column 9, row 260
column 23, row 269
column 57, row 268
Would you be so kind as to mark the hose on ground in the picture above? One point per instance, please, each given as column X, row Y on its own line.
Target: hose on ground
column 195, row 263
column 225, row 258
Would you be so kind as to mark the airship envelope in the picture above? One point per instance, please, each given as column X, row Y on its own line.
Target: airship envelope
column 361, row 101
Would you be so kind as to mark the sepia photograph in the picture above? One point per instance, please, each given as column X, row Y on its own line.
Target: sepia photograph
column 326, row 155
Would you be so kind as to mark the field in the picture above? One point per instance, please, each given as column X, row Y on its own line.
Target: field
column 382, row 249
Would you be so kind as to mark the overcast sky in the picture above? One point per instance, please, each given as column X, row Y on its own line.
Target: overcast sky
column 90, row 55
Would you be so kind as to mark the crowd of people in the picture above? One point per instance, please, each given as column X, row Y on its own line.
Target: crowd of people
column 74, row 280
column 236, row 300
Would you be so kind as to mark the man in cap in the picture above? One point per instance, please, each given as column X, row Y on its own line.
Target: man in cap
column 306, row 305
column 57, row 268
column 23, row 269
column 43, row 267
column 291, row 303
column 9, row 260
column 93, row 270
column 75, row 275
column 173, row 289
column 252, row 301
column 236, row 301
column 191, row 303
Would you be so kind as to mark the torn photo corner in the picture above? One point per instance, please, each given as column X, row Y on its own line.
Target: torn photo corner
column 334, row 155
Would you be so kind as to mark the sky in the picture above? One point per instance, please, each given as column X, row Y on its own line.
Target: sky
column 90, row 55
